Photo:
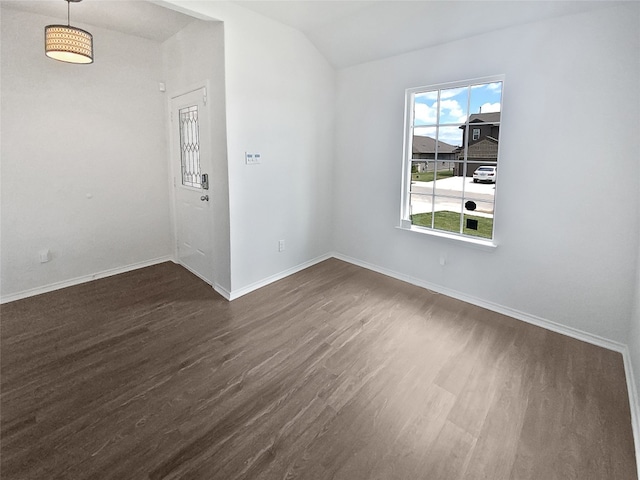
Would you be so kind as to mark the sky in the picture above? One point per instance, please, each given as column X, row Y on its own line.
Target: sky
column 453, row 106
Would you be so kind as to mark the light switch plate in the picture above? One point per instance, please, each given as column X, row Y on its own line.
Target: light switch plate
column 252, row 158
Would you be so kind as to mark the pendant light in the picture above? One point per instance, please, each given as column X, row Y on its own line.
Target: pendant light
column 68, row 44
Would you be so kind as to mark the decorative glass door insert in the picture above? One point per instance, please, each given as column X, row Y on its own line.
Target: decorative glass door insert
column 190, row 147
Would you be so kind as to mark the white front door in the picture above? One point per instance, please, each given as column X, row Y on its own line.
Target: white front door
column 191, row 165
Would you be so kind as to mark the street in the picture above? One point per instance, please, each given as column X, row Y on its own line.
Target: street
column 449, row 196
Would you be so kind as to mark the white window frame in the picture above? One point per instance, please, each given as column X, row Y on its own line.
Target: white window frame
column 405, row 213
column 473, row 134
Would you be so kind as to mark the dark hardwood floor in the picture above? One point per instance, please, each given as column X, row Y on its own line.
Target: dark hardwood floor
column 333, row 373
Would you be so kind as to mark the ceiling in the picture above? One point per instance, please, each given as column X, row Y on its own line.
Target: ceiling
column 353, row 32
column 346, row 32
column 133, row 17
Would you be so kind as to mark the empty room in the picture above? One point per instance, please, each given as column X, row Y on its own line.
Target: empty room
column 297, row 239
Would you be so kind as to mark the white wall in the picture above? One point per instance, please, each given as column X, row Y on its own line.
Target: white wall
column 633, row 341
column 279, row 99
column 570, row 97
column 73, row 131
column 279, row 102
column 567, row 243
column 193, row 56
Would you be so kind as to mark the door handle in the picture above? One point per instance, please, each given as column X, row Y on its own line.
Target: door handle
column 204, row 198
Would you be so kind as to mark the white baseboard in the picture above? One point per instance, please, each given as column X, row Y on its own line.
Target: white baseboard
column 494, row 307
column 222, row 291
column 634, row 400
column 83, row 279
column 274, row 278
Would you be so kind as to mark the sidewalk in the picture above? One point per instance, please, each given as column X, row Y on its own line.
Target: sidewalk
column 421, row 197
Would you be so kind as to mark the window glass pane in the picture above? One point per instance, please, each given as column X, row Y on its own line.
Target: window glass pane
column 478, row 217
column 450, row 141
column 425, row 108
column 422, row 186
column 485, row 149
column 477, row 226
column 424, row 143
column 422, row 171
column 453, row 105
column 486, row 98
column 446, row 216
column 448, row 180
column 421, row 205
column 445, row 170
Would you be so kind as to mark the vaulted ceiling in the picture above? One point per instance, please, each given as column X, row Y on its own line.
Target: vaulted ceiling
column 352, row 32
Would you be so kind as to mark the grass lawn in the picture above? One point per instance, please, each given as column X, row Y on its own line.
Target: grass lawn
column 428, row 176
column 450, row 222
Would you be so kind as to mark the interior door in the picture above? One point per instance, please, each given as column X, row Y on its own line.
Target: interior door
column 191, row 164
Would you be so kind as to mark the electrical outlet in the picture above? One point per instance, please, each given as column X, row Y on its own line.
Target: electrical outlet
column 281, row 245
column 44, row 255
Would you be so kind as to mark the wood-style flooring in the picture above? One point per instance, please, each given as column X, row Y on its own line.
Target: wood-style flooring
column 335, row 372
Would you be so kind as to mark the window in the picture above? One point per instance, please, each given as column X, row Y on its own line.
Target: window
column 450, row 182
column 190, row 146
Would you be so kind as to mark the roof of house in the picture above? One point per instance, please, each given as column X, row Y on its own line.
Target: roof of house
column 491, row 117
column 423, row 144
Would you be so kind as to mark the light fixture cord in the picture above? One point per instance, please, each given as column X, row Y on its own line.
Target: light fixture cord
column 68, row 13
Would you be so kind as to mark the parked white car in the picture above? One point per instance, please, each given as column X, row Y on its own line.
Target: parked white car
column 485, row 174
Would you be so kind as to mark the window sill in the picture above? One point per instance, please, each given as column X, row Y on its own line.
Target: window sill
column 487, row 245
